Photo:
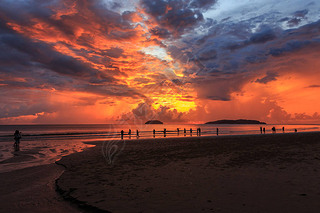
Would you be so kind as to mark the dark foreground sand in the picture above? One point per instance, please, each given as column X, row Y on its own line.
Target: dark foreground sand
column 32, row 190
column 259, row 173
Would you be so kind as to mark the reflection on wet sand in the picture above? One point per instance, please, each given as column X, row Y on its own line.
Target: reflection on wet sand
column 36, row 153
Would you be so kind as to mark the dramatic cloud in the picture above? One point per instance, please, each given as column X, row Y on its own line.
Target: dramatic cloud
column 97, row 61
column 175, row 16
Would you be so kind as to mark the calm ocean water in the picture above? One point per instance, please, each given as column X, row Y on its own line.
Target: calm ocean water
column 94, row 132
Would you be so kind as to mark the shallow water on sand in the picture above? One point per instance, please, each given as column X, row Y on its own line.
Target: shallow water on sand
column 34, row 153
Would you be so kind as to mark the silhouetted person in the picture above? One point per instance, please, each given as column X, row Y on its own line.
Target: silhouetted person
column 283, row 129
column 154, row 132
column 129, row 133
column 164, row 132
column 199, row 132
column 137, row 133
column 260, row 129
column 184, row 131
column 178, row 130
column 17, row 137
column 191, row 131
column 273, row 129
column 217, row 131
column 122, row 134
column 264, row 130
column 295, row 130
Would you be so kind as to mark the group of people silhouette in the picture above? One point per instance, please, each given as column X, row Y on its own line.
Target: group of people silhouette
column 262, row 130
column 273, row 129
column 164, row 132
column 129, row 133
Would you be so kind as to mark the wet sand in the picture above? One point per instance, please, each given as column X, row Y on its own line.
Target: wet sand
column 251, row 173
column 33, row 190
column 36, row 153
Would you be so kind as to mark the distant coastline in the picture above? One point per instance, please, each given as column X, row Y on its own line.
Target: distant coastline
column 239, row 121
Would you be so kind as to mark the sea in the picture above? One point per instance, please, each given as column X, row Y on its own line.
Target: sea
column 43, row 144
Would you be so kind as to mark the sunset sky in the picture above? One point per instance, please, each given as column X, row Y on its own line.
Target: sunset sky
column 179, row 61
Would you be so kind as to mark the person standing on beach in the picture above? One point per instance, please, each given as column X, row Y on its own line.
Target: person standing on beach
column 264, row 130
column 260, row 129
column 17, row 137
column 122, row 132
column 217, row 131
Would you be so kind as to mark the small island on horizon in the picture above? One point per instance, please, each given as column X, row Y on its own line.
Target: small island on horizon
column 239, row 121
column 153, row 122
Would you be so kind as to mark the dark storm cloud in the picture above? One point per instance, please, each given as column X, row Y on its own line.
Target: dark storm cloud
column 207, row 54
column 219, row 88
column 289, row 47
column 113, row 52
column 203, row 4
column 296, row 18
column 300, row 13
column 270, row 76
column 229, row 55
column 263, row 36
column 88, row 13
column 18, row 109
column 176, row 15
column 24, row 51
column 161, row 32
column 313, row 86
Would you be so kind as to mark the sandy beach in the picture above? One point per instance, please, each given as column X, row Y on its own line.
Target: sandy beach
column 33, row 190
column 250, row 173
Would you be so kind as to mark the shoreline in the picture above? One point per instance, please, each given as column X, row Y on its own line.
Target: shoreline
column 141, row 138
column 188, row 138
column 103, row 185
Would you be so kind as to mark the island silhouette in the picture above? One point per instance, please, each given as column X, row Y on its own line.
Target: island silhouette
column 154, row 122
column 239, row 121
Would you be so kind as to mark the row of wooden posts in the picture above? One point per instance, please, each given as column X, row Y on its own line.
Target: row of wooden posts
column 165, row 132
